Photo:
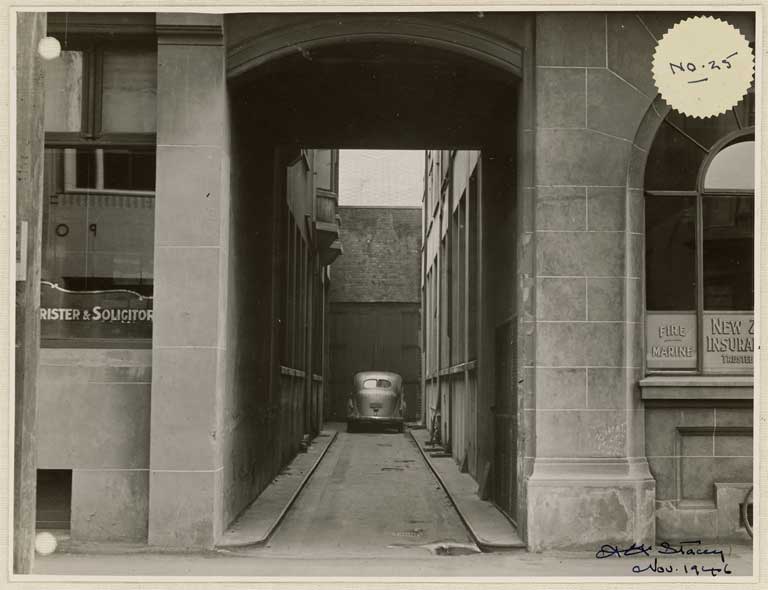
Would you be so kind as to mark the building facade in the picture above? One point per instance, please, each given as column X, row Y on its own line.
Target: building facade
column 100, row 242
column 587, row 281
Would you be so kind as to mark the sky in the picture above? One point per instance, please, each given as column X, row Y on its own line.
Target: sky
column 392, row 178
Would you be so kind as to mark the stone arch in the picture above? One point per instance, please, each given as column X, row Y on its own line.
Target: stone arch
column 307, row 32
column 646, row 133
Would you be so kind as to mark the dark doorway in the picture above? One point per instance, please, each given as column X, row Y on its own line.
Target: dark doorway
column 505, row 421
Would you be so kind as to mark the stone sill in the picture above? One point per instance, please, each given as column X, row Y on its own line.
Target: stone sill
column 697, row 387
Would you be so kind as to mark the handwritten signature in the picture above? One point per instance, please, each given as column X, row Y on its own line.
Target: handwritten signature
column 664, row 548
column 683, row 548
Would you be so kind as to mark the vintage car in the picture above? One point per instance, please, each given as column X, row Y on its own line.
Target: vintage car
column 377, row 398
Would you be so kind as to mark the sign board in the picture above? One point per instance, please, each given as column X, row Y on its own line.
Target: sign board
column 729, row 342
column 108, row 314
column 671, row 340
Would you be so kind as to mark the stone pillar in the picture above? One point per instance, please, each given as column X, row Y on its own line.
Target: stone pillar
column 191, row 248
column 590, row 482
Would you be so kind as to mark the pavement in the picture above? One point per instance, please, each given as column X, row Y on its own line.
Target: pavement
column 257, row 522
column 555, row 566
column 373, row 507
column 490, row 529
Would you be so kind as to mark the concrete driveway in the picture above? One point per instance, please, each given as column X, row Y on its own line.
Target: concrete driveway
column 371, row 495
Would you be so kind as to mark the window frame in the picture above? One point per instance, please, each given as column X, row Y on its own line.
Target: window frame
column 93, row 40
column 91, row 124
column 746, row 133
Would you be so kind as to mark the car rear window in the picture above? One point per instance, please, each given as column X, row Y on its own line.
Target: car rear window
column 376, row 383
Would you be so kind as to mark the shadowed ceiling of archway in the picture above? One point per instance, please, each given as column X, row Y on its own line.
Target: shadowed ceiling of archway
column 366, row 94
column 256, row 39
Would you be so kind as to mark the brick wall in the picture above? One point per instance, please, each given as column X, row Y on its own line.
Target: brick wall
column 382, row 255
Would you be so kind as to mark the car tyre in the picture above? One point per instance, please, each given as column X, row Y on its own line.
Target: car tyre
column 351, row 427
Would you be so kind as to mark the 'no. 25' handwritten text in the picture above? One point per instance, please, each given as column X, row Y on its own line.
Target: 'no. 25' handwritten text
column 710, row 65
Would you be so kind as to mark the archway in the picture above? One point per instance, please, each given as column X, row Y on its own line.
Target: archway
column 393, row 90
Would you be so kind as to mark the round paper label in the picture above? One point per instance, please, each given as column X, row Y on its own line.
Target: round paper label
column 703, row 66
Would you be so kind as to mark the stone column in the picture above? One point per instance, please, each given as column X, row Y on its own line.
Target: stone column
column 191, row 237
column 590, row 482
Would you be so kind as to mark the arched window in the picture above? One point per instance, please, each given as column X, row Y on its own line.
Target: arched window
column 699, row 222
column 732, row 168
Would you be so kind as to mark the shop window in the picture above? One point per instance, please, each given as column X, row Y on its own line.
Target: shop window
column 99, row 196
column 699, row 218
column 111, row 169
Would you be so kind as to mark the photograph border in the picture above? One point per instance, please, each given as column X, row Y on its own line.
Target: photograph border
column 7, row 325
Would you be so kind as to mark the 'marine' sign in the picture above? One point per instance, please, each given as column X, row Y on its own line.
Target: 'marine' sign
column 671, row 341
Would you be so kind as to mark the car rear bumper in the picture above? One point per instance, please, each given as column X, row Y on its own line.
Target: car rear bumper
column 376, row 419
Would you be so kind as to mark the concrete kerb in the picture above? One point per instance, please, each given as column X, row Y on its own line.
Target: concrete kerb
column 261, row 538
column 483, row 544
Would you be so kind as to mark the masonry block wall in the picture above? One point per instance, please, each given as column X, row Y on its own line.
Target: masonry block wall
column 93, row 418
column 248, row 420
column 594, row 123
column 593, row 87
column 382, row 256
column 189, row 341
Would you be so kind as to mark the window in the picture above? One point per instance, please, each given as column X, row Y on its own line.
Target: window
column 699, row 221
column 473, row 262
column 64, row 92
column 377, row 384
column 433, row 189
column 99, row 183
column 103, row 92
column 128, row 96
column 327, row 170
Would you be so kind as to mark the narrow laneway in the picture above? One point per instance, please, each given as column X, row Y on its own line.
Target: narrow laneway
column 371, row 494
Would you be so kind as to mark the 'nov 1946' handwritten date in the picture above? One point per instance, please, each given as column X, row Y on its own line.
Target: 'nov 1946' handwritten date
column 666, row 549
